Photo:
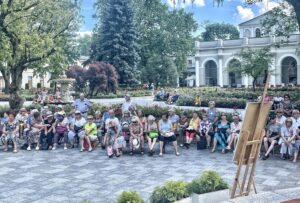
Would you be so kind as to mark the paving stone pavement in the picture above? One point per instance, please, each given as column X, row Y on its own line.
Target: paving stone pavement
column 71, row 176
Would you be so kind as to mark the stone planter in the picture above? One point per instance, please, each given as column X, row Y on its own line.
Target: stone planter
column 211, row 197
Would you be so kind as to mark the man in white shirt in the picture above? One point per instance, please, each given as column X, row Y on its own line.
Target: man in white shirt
column 127, row 105
column 280, row 118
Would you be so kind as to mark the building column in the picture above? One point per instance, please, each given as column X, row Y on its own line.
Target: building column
column 197, row 72
column 220, row 68
column 273, row 72
column 245, row 81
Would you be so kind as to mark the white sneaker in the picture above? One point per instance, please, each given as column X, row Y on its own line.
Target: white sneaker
column 37, row 148
column 29, row 148
column 65, row 148
column 53, row 148
column 90, row 149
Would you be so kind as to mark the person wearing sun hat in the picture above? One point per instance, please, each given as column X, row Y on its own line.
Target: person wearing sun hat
column 90, row 133
column 152, row 133
column 136, row 139
column 61, row 129
column 76, row 130
column 49, row 122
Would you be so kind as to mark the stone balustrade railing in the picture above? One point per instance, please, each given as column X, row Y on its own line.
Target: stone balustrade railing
column 262, row 41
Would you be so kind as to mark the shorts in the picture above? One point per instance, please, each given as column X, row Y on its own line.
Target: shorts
column 167, row 139
column 93, row 137
column 190, row 134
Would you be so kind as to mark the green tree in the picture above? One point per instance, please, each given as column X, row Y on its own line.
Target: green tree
column 117, row 39
column 160, row 70
column 163, row 35
column 84, row 45
column 253, row 62
column 34, row 33
column 214, row 31
column 280, row 21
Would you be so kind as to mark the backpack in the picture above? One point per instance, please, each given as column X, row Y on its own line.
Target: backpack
column 201, row 144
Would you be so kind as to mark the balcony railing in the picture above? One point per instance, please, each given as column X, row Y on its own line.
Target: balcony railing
column 247, row 42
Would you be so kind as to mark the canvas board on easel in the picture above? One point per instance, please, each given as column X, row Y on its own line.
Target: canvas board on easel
column 254, row 122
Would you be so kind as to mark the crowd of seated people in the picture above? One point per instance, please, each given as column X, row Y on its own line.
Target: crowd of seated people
column 220, row 131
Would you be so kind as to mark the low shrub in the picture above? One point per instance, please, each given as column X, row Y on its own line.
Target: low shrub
column 171, row 191
column 129, row 197
column 209, row 181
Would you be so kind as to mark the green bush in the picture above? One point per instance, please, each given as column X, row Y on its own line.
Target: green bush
column 130, row 197
column 209, row 181
column 171, row 191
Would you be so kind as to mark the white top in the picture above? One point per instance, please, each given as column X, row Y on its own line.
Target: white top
column 79, row 122
column 288, row 132
column 126, row 105
column 281, row 120
column 296, row 123
column 235, row 126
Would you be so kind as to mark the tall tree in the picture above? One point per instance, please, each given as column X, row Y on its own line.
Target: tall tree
column 253, row 62
column 117, row 39
column 165, row 35
column 281, row 21
column 214, row 31
column 32, row 34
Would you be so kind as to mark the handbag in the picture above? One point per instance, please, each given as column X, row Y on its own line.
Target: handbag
column 169, row 134
column 201, row 144
column 109, row 150
column 61, row 129
column 153, row 134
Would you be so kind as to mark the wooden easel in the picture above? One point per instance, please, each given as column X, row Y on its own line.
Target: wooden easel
column 249, row 143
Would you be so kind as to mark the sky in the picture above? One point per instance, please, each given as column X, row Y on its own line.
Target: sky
column 232, row 11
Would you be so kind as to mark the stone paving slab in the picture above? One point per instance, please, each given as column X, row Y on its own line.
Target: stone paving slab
column 71, row 176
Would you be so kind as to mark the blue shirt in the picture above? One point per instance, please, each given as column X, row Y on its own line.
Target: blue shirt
column 165, row 126
column 82, row 105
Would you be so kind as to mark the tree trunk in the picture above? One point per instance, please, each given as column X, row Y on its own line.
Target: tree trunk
column 296, row 5
column 6, row 78
column 15, row 101
column 253, row 85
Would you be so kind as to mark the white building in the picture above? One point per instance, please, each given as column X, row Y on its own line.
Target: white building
column 211, row 59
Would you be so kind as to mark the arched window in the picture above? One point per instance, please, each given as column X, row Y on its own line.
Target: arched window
column 289, row 70
column 235, row 78
column 247, row 33
column 257, row 32
column 211, row 73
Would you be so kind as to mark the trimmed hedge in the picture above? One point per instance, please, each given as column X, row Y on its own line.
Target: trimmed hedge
column 130, row 197
column 171, row 191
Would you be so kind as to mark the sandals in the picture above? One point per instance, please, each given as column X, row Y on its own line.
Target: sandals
column 15, row 151
column 5, row 150
column 177, row 154
column 212, row 151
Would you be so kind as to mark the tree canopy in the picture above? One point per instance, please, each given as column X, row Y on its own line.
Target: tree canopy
column 165, row 37
column 253, row 62
column 214, row 31
column 35, row 34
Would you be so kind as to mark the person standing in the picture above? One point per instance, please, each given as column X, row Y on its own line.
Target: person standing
column 127, row 105
column 82, row 104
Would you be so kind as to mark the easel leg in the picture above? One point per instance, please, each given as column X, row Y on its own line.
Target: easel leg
column 237, row 176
